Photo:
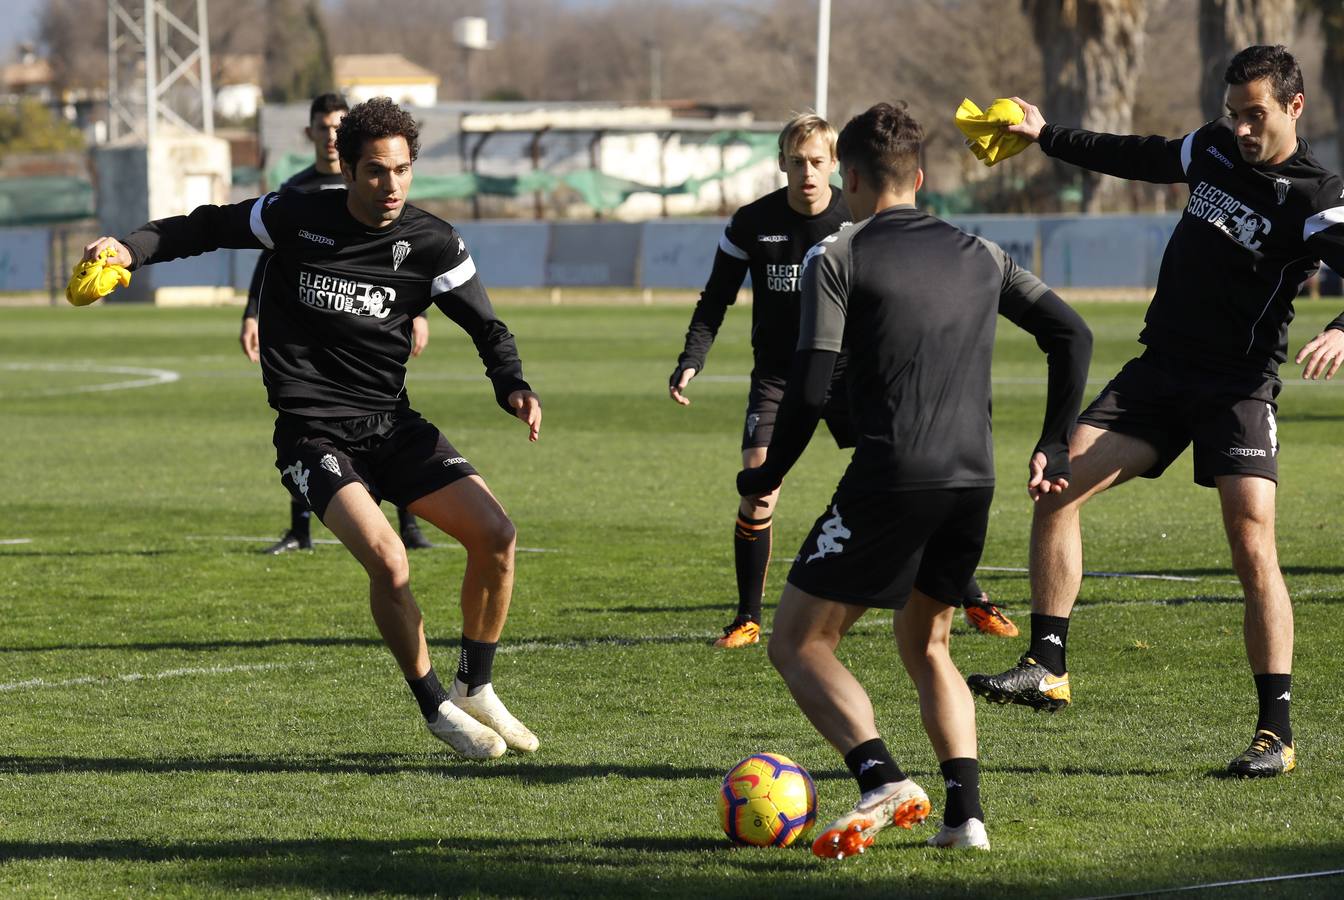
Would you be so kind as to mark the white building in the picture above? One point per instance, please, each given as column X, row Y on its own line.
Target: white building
column 362, row 76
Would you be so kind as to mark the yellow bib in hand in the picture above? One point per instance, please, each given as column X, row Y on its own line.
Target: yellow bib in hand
column 95, row 279
column 985, row 134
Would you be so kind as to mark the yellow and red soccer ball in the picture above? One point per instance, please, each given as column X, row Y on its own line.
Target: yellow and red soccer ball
column 767, row 800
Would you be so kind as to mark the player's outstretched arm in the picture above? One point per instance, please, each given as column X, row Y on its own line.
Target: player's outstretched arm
column 1322, row 355
column 725, row 280
column 527, row 407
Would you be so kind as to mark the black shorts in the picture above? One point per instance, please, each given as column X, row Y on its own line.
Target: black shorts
column 397, row 456
column 871, row 547
column 1168, row 403
column 763, row 407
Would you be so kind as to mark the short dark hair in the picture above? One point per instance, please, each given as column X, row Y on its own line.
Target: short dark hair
column 1274, row 63
column 373, row 120
column 883, row 144
column 327, row 103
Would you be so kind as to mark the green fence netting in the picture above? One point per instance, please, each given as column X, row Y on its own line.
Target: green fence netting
column 44, row 200
column 597, row 189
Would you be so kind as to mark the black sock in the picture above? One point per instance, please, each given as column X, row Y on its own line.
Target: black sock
column 962, row 779
column 1276, row 694
column 751, row 553
column 973, row 590
column 1048, row 636
column 474, row 664
column 405, row 518
column 299, row 515
column 428, row 693
column 872, row 765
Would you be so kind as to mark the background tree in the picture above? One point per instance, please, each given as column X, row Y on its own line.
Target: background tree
column 1330, row 18
column 1091, row 54
column 1227, row 26
column 296, row 59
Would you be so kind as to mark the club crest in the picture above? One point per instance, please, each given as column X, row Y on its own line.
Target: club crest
column 402, row 249
column 1281, row 186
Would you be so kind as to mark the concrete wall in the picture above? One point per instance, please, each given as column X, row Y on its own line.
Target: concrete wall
column 1066, row 251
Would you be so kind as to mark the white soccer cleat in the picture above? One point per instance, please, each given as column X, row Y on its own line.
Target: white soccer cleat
column 485, row 707
column 968, row 835
column 464, row 734
column 902, row 803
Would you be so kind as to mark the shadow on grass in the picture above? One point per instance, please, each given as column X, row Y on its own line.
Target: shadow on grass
column 508, row 645
column 636, row 865
column 523, row 771
column 726, row 608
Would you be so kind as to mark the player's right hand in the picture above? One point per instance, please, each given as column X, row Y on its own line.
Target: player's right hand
column 1032, row 121
column 250, row 339
column 1038, row 485
column 120, row 255
column 681, row 376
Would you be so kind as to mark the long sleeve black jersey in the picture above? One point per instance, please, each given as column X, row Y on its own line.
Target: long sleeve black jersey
column 915, row 300
column 305, row 181
column 768, row 239
column 339, row 298
column 1248, row 239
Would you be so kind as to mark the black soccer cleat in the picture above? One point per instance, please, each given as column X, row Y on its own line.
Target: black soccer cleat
column 1027, row 684
column 414, row 539
column 1267, row 756
column 288, row 543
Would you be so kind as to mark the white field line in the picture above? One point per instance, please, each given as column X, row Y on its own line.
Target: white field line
column 1325, row 873
column 242, row 538
column 148, row 377
column 1139, row 575
column 8, row 541
column 36, row 683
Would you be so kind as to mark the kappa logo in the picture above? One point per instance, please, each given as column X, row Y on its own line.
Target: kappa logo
column 772, row 238
column 868, row 764
column 1246, row 451
column 1053, row 639
column 299, row 475
column 329, row 463
column 751, row 424
column 461, row 245
column 317, row 238
column 1273, row 430
column 1286, row 695
column 1213, row 151
column 833, row 531
column 455, row 461
column 952, row 783
column 400, row 250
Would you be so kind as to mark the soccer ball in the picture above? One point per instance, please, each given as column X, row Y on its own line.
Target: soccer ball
column 767, row 800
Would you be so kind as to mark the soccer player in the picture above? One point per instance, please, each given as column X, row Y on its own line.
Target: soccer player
column 324, row 117
column 1261, row 213
column 349, row 273
column 915, row 301
column 769, row 238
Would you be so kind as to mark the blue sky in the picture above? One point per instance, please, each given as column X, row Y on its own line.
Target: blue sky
column 21, row 24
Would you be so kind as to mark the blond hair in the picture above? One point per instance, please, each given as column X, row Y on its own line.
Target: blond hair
column 800, row 130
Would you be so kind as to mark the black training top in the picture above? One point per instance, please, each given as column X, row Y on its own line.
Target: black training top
column 915, row 301
column 1248, row 239
column 339, row 297
column 770, row 239
column 305, row 182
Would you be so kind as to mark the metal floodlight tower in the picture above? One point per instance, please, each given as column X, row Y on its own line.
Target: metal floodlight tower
column 158, row 68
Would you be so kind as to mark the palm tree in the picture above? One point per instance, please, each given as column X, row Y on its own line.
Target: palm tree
column 1227, row 26
column 1091, row 53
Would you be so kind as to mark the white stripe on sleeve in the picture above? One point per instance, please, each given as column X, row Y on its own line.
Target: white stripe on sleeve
column 1322, row 220
column 258, row 226
column 730, row 248
column 1187, row 148
column 455, row 277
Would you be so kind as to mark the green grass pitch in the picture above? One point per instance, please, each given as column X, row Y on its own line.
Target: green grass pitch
column 183, row 716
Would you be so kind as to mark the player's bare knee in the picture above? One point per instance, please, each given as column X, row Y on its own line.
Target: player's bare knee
column 389, row 567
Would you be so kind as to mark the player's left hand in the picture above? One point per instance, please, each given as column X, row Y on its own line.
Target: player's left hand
column 419, row 334
column 120, row 256
column 527, row 407
column 1322, row 355
column 755, row 483
column 1038, row 485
